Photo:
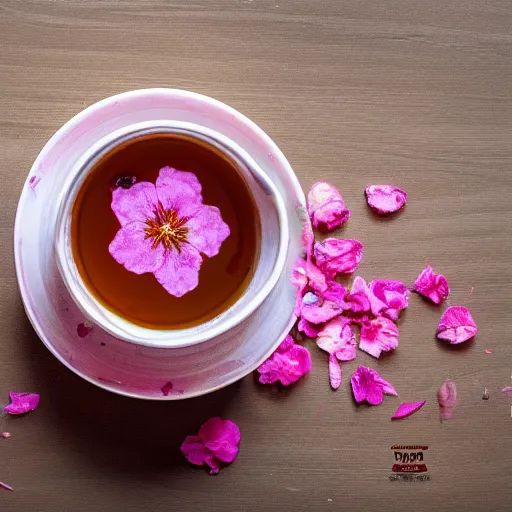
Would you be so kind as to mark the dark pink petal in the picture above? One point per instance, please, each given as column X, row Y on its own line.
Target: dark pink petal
column 406, row 409
column 207, row 230
column 300, row 281
column 309, row 329
column 5, row 486
column 179, row 272
column 286, row 344
column 33, row 181
column 334, row 256
column 221, row 437
column 337, row 338
column 334, row 372
column 378, row 335
column 447, row 398
column 326, row 206
column 394, row 294
column 456, row 325
column 431, row 285
column 368, row 385
column 507, row 391
column 22, row 403
column 83, row 330
column 134, row 251
column 195, row 451
column 135, row 204
column 385, row 198
column 362, row 300
column 166, row 388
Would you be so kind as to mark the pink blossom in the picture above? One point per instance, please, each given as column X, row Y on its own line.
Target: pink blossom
column 309, row 329
column 326, row 206
column 216, row 442
column 362, row 300
column 406, row 409
column 378, row 335
column 368, row 385
column 165, row 228
column 456, row 325
column 337, row 338
column 431, row 285
column 385, row 198
column 287, row 364
column 334, row 256
column 447, row 398
column 21, row 403
column 394, row 294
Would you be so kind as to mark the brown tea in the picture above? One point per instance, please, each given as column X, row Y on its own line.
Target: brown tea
column 140, row 299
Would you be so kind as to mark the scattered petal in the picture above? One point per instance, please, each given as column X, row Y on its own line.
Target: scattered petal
column 432, row 286
column 368, row 385
column 337, row 338
column 488, row 351
column 326, row 206
column 406, row 409
column 447, row 398
column 5, row 435
column 5, row 486
column 507, row 391
column 394, row 294
column 456, row 325
column 320, row 311
column 378, row 335
column 309, row 329
column 334, row 372
column 334, row 256
column 22, row 403
column 362, row 300
column 166, row 388
column 385, row 198
column 83, row 330
column 336, row 293
column 33, row 181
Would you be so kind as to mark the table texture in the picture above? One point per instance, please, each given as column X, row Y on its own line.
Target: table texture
column 409, row 92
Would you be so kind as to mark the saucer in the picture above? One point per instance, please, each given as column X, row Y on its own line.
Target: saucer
column 118, row 366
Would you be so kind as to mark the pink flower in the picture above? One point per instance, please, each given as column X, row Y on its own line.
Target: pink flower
column 394, row 294
column 22, row 403
column 431, row 285
column 368, row 385
column 287, row 364
column 165, row 228
column 216, row 442
column 456, row 325
column 378, row 335
column 385, row 198
column 362, row 300
column 447, row 398
column 335, row 256
column 406, row 409
column 326, row 206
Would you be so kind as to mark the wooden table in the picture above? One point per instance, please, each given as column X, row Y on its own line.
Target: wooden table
column 410, row 92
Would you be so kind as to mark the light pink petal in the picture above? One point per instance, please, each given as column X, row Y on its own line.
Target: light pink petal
column 316, row 278
column 309, row 329
column 394, row 294
column 433, row 286
column 334, row 256
column 378, row 335
column 135, row 204
column 6, row 487
column 180, row 271
column 320, row 312
column 337, row 338
column 406, row 409
column 5, row 435
column 195, row 451
column 507, row 391
column 221, row 437
column 334, row 372
column 179, row 191
column 456, row 325
column 207, row 230
column 385, row 198
column 447, row 398
column 368, row 385
column 22, row 403
column 361, row 299
column 326, row 206
column 300, row 281
column 134, row 251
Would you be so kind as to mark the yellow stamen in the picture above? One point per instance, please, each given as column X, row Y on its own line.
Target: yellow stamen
column 166, row 228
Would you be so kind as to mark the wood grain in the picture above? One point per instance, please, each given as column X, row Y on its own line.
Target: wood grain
column 408, row 92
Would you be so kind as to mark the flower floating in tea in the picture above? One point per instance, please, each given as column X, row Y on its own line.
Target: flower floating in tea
column 166, row 228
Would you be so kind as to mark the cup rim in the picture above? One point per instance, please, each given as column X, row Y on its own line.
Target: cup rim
column 161, row 338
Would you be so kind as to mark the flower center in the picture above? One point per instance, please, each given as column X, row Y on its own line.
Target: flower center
column 166, row 228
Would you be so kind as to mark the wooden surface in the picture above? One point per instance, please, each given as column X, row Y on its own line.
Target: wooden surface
column 410, row 92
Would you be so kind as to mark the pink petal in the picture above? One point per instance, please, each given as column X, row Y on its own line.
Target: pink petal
column 207, row 230
column 385, row 198
column 22, row 403
column 83, row 330
column 309, row 329
column 134, row 251
column 285, row 345
column 316, row 278
column 334, row 372
column 337, row 338
column 320, row 312
column 326, row 206
column 378, row 335
column 221, row 437
column 368, row 385
column 488, row 351
column 194, row 450
column 431, row 285
column 406, row 409
column 456, row 325
column 334, row 256
column 361, row 299
column 135, row 204
column 5, row 435
column 335, row 292
column 5, row 486
column 167, row 388
column 180, row 271
column 447, row 398
column 507, row 391
column 300, row 281
column 33, row 181
column 394, row 294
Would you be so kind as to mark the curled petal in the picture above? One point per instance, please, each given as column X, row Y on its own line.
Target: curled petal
column 406, row 409
column 334, row 372
column 326, row 206
column 378, row 335
column 22, row 403
column 456, row 325
column 135, row 204
column 221, row 437
column 334, row 256
column 368, row 385
column 385, row 198
column 309, row 329
column 337, row 338
column 394, row 294
column 207, row 230
column 362, row 300
column 447, row 398
column 432, row 286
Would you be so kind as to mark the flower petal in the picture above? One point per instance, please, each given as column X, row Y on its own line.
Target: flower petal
column 195, row 451
column 286, row 344
column 6, row 487
column 309, row 329
column 406, row 409
column 385, row 198
column 135, row 204
column 368, row 385
column 207, row 230
column 447, row 398
column 361, row 299
column 378, row 335
column 431, row 285
column 320, row 312
column 337, row 338
column 326, row 206
column 334, row 256
column 394, row 294
column 507, row 391
column 456, row 325
column 334, row 372
column 179, row 272
column 221, row 437
column 22, row 403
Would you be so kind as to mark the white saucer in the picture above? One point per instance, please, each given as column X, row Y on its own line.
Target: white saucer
column 100, row 358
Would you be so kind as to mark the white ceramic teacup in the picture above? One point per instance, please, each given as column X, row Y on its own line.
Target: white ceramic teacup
column 273, row 244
